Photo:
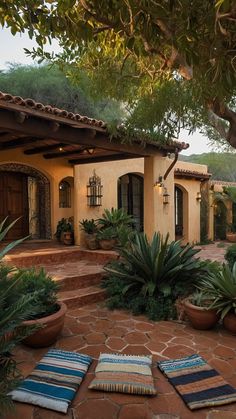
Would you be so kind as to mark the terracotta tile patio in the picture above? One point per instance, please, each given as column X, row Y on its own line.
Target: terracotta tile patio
column 93, row 329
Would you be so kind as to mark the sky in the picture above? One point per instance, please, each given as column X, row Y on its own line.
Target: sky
column 12, row 51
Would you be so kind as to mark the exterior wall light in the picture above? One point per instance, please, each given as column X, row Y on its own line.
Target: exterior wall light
column 199, row 197
column 159, row 182
column 165, row 197
column 94, row 191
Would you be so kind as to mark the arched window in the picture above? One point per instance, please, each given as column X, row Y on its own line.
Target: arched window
column 178, row 212
column 130, row 197
column 64, row 194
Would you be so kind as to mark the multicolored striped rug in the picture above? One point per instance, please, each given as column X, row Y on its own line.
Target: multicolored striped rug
column 198, row 384
column 54, row 381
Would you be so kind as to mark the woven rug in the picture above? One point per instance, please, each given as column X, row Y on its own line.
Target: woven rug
column 198, row 384
column 54, row 381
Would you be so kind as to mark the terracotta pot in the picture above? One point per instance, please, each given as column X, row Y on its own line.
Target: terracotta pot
column 52, row 327
column 91, row 241
column 229, row 322
column 200, row 317
column 107, row 244
column 67, row 237
column 231, row 237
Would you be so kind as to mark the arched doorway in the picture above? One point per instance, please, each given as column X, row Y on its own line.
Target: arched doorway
column 181, row 213
column 25, row 194
column 220, row 220
column 130, row 197
column 179, row 217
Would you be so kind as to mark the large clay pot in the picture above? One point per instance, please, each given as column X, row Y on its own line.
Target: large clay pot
column 231, row 237
column 52, row 327
column 200, row 317
column 91, row 241
column 67, row 237
column 230, row 322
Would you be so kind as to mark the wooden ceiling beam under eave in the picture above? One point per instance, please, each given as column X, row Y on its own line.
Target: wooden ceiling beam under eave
column 42, row 128
column 62, row 154
column 44, row 148
column 101, row 159
column 17, row 143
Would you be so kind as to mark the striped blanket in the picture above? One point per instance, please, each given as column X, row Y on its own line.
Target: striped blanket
column 198, row 384
column 54, row 381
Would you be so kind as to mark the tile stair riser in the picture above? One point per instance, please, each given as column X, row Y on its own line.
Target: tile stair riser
column 26, row 261
column 82, row 300
column 78, row 282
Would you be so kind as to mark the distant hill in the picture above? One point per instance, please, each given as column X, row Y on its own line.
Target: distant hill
column 222, row 166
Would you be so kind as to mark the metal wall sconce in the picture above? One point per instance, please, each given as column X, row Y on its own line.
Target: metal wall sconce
column 159, row 182
column 94, row 191
column 199, row 197
column 165, row 197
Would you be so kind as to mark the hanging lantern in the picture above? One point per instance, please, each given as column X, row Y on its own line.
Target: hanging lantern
column 94, row 191
column 165, row 197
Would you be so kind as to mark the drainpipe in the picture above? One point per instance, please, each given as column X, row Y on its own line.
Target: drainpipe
column 172, row 164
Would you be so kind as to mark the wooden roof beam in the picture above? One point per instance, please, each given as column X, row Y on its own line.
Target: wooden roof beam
column 44, row 148
column 17, row 143
column 71, row 135
column 63, row 154
column 100, row 159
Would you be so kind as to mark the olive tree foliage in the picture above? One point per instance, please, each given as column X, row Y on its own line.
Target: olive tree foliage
column 172, row 61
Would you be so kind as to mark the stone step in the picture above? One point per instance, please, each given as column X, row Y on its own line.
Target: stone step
column 41, row 257
column 71, row 283
column 81, row 297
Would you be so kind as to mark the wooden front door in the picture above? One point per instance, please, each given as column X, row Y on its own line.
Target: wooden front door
column 14, row 203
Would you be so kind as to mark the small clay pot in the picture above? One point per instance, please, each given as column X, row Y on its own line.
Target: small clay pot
column 229, row 322
column 231, row 237
column 107, row 244
column 200, row 317
column 52, row 327
column 67, row 237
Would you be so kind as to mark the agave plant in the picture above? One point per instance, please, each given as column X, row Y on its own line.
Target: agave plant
column 220, row 287
column 153, row 270
column 3, row 232
column 115, row 218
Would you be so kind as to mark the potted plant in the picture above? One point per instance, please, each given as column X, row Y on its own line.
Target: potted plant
column 90, row 229
column 221, row 289
column 65, row 231
column 49, row 313
column 197, row 308
column 107, row 238
column 115, row 218
column 231, row 233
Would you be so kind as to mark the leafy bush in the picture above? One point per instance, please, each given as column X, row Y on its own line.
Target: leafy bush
column 221, row 288
column 14, row 308
column 149, row 277
column 115, row 218
column 230, row 255
column 44, row 289
column 89, row 226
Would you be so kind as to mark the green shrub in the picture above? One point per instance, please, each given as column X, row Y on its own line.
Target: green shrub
column 115, row 218
column 88, row 226
column 220, row 287
column 14, row 308
column 230, row 255
column 149, row 277
column 44, row 289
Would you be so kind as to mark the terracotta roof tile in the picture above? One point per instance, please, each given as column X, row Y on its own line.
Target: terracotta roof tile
column 192, row 173
column 31, row 104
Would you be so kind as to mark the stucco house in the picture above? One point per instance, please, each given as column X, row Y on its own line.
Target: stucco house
column 48, row 157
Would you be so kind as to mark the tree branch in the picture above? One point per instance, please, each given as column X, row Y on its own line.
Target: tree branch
column 222, row 111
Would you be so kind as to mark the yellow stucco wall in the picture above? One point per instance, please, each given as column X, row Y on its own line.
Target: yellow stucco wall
column 55, row 170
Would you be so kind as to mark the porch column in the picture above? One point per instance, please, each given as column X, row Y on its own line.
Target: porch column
column 211, row 216
column 158, row 216
column 79, row 202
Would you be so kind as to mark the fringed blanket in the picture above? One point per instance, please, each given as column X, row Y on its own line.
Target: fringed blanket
column 54, row 381
column 198, row 384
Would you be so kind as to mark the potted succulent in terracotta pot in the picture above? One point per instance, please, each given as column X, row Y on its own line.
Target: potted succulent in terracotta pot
column 90, row 229
column 221, row 289
column 231, row 233
column 65, row 231
column 49, row 313
column 107, row 238
column 198, row 309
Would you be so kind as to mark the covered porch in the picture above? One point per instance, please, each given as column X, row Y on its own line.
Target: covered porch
column 45, row 149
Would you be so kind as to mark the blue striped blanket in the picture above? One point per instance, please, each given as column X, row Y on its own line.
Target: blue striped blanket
column 54, row 381
column 198, row 384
